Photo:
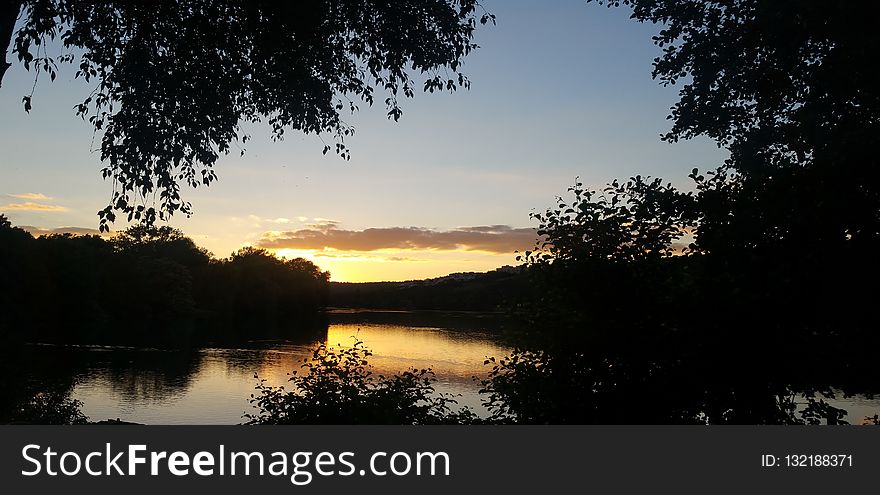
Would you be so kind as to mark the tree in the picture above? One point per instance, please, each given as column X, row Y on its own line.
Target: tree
column 254, row 282
column 164, row 242
column 635, row 220
column 174, row 81
column 790, row 88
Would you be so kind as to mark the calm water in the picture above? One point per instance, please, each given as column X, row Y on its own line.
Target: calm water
column 212, row 385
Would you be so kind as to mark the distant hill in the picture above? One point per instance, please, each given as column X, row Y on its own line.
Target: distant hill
column 470, row 291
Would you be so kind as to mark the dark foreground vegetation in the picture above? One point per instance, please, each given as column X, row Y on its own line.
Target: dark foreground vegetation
column 337, row 386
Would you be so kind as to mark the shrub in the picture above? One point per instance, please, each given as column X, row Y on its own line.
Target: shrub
column 339, row 387
column 50, row 408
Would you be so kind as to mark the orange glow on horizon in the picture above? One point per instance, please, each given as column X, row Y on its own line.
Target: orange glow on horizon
column 394, row 265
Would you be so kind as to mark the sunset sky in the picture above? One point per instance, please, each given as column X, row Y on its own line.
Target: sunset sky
column 559, row 90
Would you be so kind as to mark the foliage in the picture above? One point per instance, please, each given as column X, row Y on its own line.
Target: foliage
column 582, row 386
column 631, row 221
column 766, row 75
column 175, row 81
column 90, row 289
column 632, row 329
column 339, row 387
column 790, row 89
column 50, row 408
column 255, row 282
column 162, row 242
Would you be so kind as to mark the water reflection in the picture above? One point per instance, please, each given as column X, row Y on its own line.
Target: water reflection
column 139, row 374
column 211, row 385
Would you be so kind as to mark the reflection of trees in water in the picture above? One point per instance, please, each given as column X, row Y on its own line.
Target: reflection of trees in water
column 144, row 374
column 265, row 360
column 36, row 384
column 680, row 382
column 49, row 373
column 159, row 375
column 256, row 332
column 268, row 340
column 660, row 382
column 131, row 373
column 24, row 377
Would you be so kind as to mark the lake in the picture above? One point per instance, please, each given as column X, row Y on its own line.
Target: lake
column 211, row 385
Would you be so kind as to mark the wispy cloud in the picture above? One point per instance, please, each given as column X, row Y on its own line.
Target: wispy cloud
column 30, row 196
column 31, row 206
column 327, row 235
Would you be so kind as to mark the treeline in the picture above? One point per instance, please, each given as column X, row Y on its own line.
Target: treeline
column 145, row 284
column 497, row 290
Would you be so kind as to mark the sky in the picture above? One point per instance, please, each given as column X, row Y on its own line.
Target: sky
column 559, row 90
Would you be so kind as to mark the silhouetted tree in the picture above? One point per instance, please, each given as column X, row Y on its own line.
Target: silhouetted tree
column 634, row 328
column 17, row 276
column 790, row 88
column 627, row 221
column 87, row 289
column 253, row 282
column 150, row 241
column 175, row 80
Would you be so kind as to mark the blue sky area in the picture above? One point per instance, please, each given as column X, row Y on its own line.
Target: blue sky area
column 559, row 89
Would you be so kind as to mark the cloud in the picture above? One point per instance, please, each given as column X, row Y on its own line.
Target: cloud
column 31, row 196
column 31, row 206
column 490, row 238
column 38, row 231
column 322, row 224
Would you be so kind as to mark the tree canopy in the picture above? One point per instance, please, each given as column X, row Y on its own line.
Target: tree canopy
column 766, row 76
column 67, row 288
column 175, row 80
column 791, row 90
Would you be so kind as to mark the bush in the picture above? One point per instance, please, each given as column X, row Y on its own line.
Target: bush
column 339, row 387
column 50, row 408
